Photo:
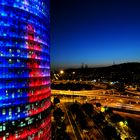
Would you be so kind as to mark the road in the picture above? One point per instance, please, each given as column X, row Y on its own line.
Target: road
column 76, row 131
column 95, row 133
column 133, row 92
column 94, row 93
column 110, row 100
column 125, row 105
column 69, row 129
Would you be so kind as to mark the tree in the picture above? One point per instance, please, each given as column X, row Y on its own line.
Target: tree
column 111, row 133
column 58, row 113
column 56, row 100
column 74, row 108
column 108, row 110
column 98, row 105
column 88, row 108
column 116, row 118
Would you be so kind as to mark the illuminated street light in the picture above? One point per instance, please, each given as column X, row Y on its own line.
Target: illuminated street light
column 102, row 109
column 121, row 123
column 61, row 72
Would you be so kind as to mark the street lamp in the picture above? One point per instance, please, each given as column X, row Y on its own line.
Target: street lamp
column 73, row 72
column 61, row 72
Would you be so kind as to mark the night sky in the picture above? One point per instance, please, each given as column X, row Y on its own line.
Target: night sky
column 94, row 32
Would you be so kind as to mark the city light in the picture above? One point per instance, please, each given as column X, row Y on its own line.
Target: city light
column 102, row 109
column 121, row 123
column 61, row 72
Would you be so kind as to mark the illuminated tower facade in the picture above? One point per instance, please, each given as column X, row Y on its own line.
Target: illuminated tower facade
column 24, row 70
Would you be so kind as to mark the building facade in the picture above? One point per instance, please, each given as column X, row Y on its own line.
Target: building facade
column 24, row 70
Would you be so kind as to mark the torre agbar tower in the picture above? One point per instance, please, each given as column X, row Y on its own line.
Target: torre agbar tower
column 24, row 70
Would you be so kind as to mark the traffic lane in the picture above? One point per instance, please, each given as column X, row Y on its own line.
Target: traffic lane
column 77, row 133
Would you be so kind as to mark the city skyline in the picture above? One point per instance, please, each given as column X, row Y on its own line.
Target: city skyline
column 96, row 33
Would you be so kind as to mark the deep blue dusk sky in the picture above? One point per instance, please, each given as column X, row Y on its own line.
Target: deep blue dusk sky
column 94, row 32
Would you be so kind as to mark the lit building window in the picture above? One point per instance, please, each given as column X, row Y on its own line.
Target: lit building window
column 3, row 111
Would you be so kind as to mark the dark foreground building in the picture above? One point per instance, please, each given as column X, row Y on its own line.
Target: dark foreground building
column 24, row 70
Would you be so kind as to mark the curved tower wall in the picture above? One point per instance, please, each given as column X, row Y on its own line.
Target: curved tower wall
column 24, row 70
